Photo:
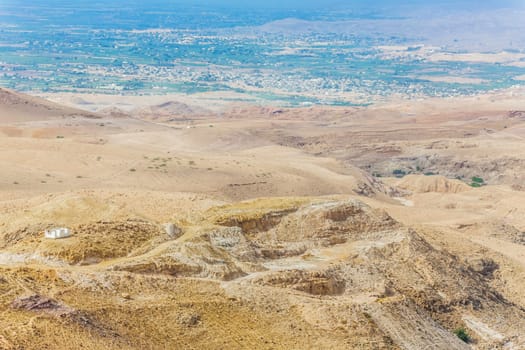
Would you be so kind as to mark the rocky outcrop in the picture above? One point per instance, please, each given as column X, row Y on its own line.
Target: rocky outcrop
column 434, row 183
column 311, row 282
column 364, row 270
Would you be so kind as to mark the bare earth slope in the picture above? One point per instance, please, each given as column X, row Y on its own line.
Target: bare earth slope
column 17, row 107
column 280, row 242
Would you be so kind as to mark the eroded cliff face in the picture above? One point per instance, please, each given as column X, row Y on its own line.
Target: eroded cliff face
column 325, row 272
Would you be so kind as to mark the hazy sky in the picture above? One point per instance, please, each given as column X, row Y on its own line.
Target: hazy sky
column 384, row 7
column 364, row 4
column 302, row 4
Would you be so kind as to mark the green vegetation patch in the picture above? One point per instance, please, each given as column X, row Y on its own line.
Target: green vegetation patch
column 399, row 173
column 478, row 180
column 462, row 334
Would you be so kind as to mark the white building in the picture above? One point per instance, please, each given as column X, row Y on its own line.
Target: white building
column 56, row 233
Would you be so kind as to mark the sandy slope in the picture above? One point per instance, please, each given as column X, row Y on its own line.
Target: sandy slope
column 330, row 257
column 60, row 152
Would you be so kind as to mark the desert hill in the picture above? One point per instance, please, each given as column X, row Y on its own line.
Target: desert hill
column 17, row 107
column 289, row 229
column 378, row 283
column 70, row 151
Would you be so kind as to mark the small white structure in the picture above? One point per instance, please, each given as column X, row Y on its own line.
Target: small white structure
column 58, row 232
column 171, row 230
